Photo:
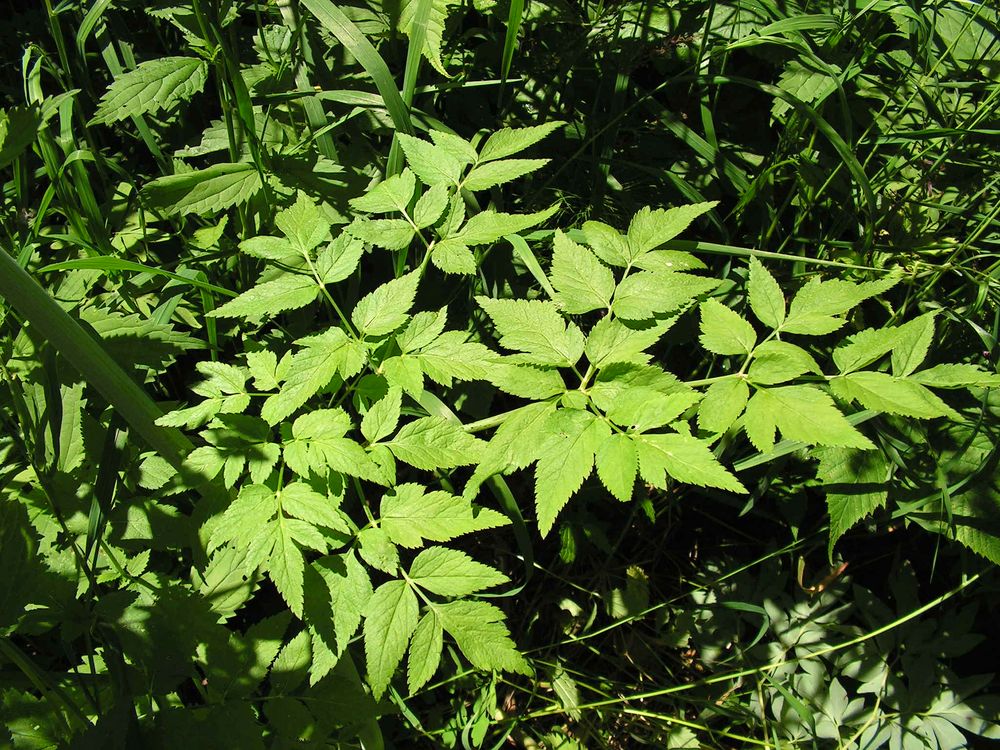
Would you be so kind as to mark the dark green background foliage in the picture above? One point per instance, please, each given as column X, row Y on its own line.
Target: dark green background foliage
column 499, row 374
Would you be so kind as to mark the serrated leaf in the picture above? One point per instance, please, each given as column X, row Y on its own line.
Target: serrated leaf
column 410, row 515
column 392, row 194
column 855, row 486
column 304, row 224
column 376, row 548
column 515, row 444
column 642, row 409
column 435, row 443
column 303, row 502
column 668, row 260
column 287, row 292
column 286, row 566
column 766, row 298
column 802, row 413
column 535, row 328
column 382, row 417
column 263, row 367
column 404, row 372
column 422, row 330
column 309, row 370
column 350, row 591
column 617, row 464
column 153, row 86
column 487, row 227
column 455, row 145
column 479, row 630
column 267, row 248
column 612, row 341
column 451, row 357
column 425, row 651
column 565, row 460
column 430, row 206
column 650, row 228
column 18, row 128
column 525, row 381
column 390, row 234
column 509, row 141
column 642, row 295
column 683, row 458
column 449, row 572
column 724, row 331
column 882, row 392
column 453, row 256
column 387, row 308
column 204, row 191
column 607, row 243
column 866, row 347
column 778, row 362
column 913, row 339
column 495, row 173
column 432, row 164
column 582, row 282
column 318, row 446
column 956, row 376
column 432, row 21
column 339, row 259
column 390, row 619
column 723, row 404
column 246, row 515
column 820, row 297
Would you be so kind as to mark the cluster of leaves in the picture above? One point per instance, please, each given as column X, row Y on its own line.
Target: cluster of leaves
column 376, row 368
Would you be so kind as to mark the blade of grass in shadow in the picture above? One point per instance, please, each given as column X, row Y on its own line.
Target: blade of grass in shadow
column 104, row 263
column 844, row 151
column 414, row 54
column 514, row 15
column 337, row 23
column 313, row 108
column 97, row 367
column 522, row 251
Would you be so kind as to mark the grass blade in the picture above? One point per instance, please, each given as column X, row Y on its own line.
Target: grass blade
column 97, row 367
column 337, row 23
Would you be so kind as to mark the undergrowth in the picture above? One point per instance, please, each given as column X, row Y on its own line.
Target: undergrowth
column 482, row 375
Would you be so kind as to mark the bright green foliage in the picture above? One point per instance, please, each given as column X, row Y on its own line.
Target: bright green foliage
column 855, row 483
column 583, row 283
column 724, row 331
column 683, row 458
column 310, row 369
column 205, row 191
column 410, row 515
column 801, row 412
column 390, row 619
column 317, row 445
column 386, row 308
column 448, row 572
column 271, row 529
column 287, row 292
column 153, row 86
column 565, row 459
column 722, row 405
column 509, row 141
column 765, row 296
column 478, row 629
column 536, row 329
column 382, row 371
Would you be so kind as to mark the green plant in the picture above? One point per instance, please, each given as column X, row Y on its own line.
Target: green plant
column 382, row 369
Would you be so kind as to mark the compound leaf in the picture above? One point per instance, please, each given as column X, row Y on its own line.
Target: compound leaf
column 449, row 572
column 390, row 619
column 153, row 86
